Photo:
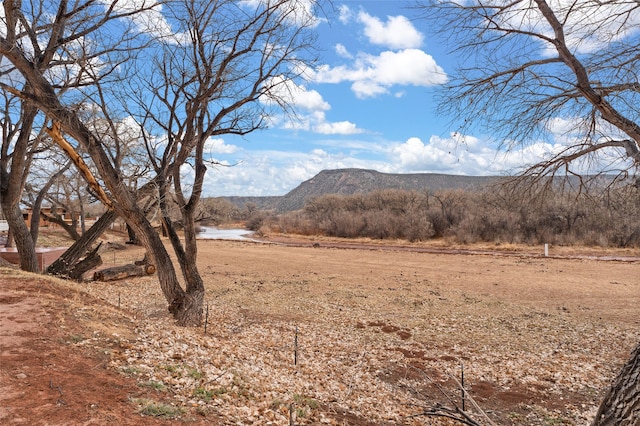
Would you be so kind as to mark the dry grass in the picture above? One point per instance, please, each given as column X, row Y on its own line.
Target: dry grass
column 539, row 338
column 380, row 329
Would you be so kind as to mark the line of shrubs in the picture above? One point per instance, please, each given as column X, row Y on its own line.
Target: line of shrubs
column 494, row 215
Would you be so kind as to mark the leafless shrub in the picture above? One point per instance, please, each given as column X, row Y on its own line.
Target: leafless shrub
column 499, row 215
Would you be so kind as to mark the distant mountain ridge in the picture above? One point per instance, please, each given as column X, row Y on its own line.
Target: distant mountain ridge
column 362, row 181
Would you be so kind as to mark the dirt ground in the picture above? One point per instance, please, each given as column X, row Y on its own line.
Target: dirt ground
column 316, row 332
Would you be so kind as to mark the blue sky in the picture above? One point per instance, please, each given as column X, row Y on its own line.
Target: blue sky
column 368, row 104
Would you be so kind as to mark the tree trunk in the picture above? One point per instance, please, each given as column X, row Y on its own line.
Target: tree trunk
column 189, row 310
column 92, row 260
column 123, row 271
column 151, row 241
column 70, row 229
column 80, row 247
column 11, row 186
column 132, row 236
column 22, row 237
column 9, row 243
column 621, row 405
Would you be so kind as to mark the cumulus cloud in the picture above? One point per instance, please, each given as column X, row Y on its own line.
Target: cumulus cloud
column 216, row 146
column 149, row 20
column 316, row 122
column 337, row 128
column 397, row 33
column 341, row 50
column 457, row 154
column 276, row 172
column 310, row 107
column 467, row 155
column 372, row 75
column 296, row 95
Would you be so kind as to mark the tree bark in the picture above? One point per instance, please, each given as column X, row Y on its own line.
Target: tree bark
column 69, row 258
column 22, row 237
column 132, row 236
column 92, row 260
column 70, row 229
column 621, row 405
column 11, row 185
column 188, row 311
column 123, row 271
column 151, row 241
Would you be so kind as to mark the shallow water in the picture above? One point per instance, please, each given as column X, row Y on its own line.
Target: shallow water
column 214, row 233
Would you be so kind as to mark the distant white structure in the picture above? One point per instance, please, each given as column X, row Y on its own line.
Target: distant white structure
column 4, row 226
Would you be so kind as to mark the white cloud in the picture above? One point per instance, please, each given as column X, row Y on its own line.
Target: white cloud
column 149, row 20
column 218, row 146
column 337, row 128
column 341, row 50
column 310, row 109
column 297, row 12
column 296, row 95
column 467, row 155
column 277, row 172
column 316, row 122
column 457, row 154
column 397, row 33
column 374, row 75
column 344, row 14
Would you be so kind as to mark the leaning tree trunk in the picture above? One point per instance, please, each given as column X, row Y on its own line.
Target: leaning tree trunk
column 64, row 263
column 151, row 241
column 621, row 405
column 70, row 229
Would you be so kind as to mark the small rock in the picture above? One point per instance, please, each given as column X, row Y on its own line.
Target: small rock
column 21, row 376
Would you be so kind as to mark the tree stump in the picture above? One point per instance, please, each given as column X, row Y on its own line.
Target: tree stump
column 83, row 266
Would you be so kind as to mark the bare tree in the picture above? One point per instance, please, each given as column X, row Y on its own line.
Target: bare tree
column 84, row 43
column 231, row 61
column 222, row 73
column 534, row 68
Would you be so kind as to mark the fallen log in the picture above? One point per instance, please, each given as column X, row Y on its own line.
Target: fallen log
column 124, row 271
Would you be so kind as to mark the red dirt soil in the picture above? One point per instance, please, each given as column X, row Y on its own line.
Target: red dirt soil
column 44, row 378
